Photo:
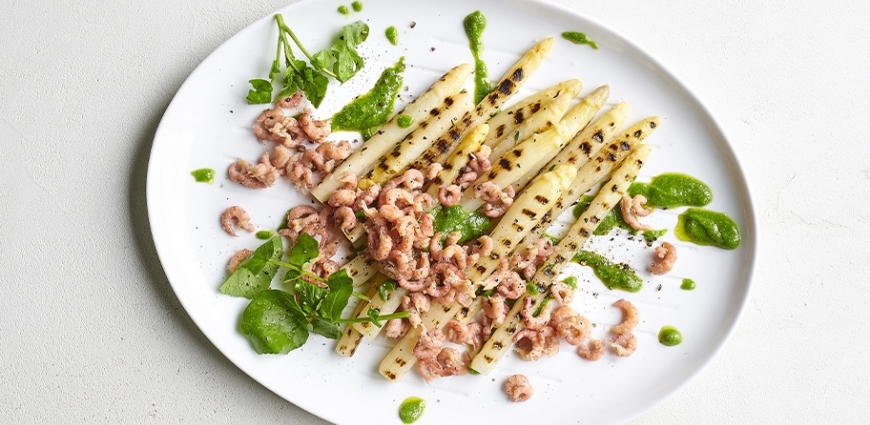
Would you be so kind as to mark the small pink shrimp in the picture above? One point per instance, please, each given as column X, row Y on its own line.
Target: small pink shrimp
column 488, row 192
column 574, row 330
column 531, row 321
column 449, row 195
column 630, row 214
column 237, row 214
column 457, row 332
column 291, row 101
column 345, row 218
column 335, row 151
column 562, row 314
column 495, row 308
column 624, row 344
column 429, row 344
column 466, row 179
column 562, row 293
column 511, row 285
column 414, row 179
column 518, row 388
column 529, row 344
column 664, row 259
column 595, row 350
column 632, row 316
column 396, row 328
column 315, row 129
column 495, row 210
column 432, row 170
column 342, row 197
column 237, row 259
column 453, row 363
column 485, row 248
column 239, row 172
column 551, row 341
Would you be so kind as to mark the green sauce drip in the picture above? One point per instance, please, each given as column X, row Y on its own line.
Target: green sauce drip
column 670, row 190
column 372, row 109
column 579, row 38
column 705, row 227
column 411, row 409
column 607, row 223
column 688, row 285
column 552, row 238
column 456, row 219
column 357, row 6
column 614, row 276
column 405, row 121
column 474, row 26
column 670, row 336
column 203, row 175
column 264, row 234
column 393, row 35
column 651, row 236
column 571, row 281
column 343, row 10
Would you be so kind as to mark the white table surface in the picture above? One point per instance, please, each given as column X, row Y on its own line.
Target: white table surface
column 91, row 332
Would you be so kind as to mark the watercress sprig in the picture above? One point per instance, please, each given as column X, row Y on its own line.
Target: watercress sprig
column 340, row 61
column 278, row 321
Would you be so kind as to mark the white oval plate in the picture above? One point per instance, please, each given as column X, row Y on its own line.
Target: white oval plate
column 208, row 124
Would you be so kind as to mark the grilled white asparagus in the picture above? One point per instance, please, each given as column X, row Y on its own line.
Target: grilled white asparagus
column 350, row 337
column 420, row 109
column 506, row 87
column 528, row 208
column 459, row 158
column 382, row 306
column 607, row 198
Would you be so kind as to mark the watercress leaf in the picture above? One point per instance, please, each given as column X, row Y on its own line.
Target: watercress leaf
column 291, row 276
column 305, row 250
column 340, row 289
column 325, row 327
column 273, row 323
column 310, row 296
column 347, row 62
column 275, row 70
column 375, row 316
column 255, row 273
column 354, row 34
column 386, row 288
column 261, row 92
column 314, row 85
column 322, row 59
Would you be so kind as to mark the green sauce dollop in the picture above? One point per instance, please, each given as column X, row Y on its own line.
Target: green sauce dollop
column 372, row 109
column 405, row 121
column 203, row 175
column 411, row 409
column 357, row 6
column 392, row 35
column 670, row 336
column 343, row 10
column 579, row 38
column 651, row 236
column 688, row 284
column 474, row 26
column 614, row 276
column 264, row 234
column 670, row 190
column 705, row 227
column 456, row 219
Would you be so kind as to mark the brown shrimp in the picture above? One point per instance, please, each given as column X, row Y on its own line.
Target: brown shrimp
column 237, row 259
column 664, row 259
column 632, row 317
column 316, row 130
column 624, row 344
column 530, row 320
column 449, row 195
column 238, row 215
column 518, row 388
column 594, row 351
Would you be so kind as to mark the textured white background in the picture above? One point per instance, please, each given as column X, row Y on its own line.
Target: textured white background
column 91, row 332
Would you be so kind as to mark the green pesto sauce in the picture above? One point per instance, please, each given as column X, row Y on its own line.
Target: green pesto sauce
column 392, row 35
column 343, row 10
column 474, row 26
column 456, row 219
column 579, row 38
column 670, row 336
column 411, row 409
column 670, row 190
column 614, row 276
column 552, row 238
column 264, row 234
column 688, row 284
column 405, row 121
column 607, row 223
column 203, row 175
column 571, row 281
column 372, row 109
column 357, row 6
column 705, row 227
column 651, row 236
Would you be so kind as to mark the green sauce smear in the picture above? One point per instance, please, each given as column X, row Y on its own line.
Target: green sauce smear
column 670, row 190
column 456, row 219
column 372, row 109
column 607, row 223
column 343, row 10
column 614, row 276
column 357, row 6
column 651, row 236
column 405, row 121
column 203, row 175
column 411, row 409
column 264, row 234
column 670, row 336
column 710, row 228
column 579, row 38
column 392, row 35
column 688, row 284
column 474, row 26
